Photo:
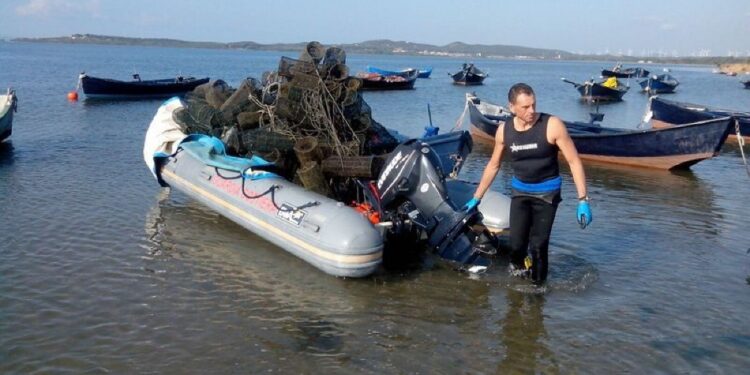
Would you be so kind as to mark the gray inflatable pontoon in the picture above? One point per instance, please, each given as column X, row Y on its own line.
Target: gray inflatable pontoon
column 324, row 232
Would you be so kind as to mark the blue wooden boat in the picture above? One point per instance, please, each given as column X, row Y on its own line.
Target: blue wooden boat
column 105, row 88
column 598, row 91
column 400, row 81
column 421, row 73
column 8, row 106
column 619, row 72
column 469, row 75
column 666, row 148
column 661, row 84
column 425, row 73
column 669, row 113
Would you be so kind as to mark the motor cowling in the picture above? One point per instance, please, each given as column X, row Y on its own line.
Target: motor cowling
column 413, row 173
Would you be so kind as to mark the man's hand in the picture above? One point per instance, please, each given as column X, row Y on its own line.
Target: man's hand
column 471, row 204
column 583, row 215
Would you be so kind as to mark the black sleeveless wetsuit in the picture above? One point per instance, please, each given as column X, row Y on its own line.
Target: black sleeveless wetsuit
column 536, row 194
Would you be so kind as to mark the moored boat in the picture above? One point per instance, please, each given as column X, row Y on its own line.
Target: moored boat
column 425, row 73
column 421, row 73
column 106, row 88
column 410, row 194
column 8, row 106
column 662, row 148
column 665, row 112
column 469, row 75
column 607, row 90
column 619, row 72
column 659, row 84
column 400, row 81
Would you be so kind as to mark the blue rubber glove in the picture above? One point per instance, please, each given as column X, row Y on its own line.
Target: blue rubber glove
column 471, row 204
column 583, row 215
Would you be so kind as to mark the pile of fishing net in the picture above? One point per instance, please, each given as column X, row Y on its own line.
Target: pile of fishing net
column 307, row 117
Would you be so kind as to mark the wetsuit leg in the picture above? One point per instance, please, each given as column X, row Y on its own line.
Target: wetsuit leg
column 520, row 224
column 542, row 218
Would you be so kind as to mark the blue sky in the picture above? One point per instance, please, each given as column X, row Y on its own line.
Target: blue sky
column 638, row 27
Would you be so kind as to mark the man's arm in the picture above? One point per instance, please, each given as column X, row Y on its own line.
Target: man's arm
column 558, row 134
column 493, row 166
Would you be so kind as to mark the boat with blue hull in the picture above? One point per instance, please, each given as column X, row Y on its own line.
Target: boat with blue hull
column 665, row 112
column 662, row 148
column 412, row 195
column 421, row 73
column 659, row 84
column 424, row 73
column 8, row 106
column 106, row 88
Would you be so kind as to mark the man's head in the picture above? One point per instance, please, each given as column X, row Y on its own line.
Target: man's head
column 522, row 102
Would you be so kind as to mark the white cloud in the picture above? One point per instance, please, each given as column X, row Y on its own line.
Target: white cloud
column 46, row 7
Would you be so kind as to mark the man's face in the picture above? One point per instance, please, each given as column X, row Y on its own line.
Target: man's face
column 524, row 107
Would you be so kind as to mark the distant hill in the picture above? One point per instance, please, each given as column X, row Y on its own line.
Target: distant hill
column 456, row 49
column 390, row 47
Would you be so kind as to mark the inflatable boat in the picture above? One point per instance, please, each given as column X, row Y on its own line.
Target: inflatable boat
column 412, row 195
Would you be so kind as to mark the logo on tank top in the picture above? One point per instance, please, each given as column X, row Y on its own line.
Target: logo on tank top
column 529, row 146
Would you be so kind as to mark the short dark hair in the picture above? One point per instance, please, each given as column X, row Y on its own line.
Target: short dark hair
column 518, row 89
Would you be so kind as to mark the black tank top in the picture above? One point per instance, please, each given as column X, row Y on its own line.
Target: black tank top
column 532, row 158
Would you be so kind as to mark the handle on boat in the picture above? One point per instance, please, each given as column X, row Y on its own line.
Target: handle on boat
column 576, row 84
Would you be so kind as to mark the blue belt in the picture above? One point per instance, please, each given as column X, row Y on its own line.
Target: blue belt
column 553, row 184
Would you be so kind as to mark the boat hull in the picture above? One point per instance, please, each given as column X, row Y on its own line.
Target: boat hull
column 424, row 73
column 597, row 92
column 102, row 88
column 7, row 109
column 626, row 73
column 467, row 79
column 331, row 236
column 658, row 86
column 669, row 148
column 667, row 113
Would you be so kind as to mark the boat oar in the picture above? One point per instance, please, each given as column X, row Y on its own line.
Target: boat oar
column 576, row 84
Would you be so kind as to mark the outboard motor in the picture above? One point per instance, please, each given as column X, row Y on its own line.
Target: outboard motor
column 412, row 184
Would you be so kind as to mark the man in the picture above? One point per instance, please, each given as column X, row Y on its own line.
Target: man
column 533, row 140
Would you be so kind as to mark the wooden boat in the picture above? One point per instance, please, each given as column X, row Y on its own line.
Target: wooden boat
column 376, row 81
column 619, row 72
column 425, row 73
column 421, row 73
column 668, row 113
column 8, row 105
column 469, row 75
column 661, row 84
column 599, row 91
column 105, row 88
column 667, row 148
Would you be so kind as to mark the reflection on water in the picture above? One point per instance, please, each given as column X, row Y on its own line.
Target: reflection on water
column 524, row 337
column 6, row 153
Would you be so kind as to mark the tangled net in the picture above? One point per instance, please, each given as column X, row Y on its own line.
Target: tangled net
column 312, row 97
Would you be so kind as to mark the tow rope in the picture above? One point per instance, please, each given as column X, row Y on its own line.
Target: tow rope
column 741, row 142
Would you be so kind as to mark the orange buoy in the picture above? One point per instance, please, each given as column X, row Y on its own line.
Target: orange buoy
column 73, row 96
